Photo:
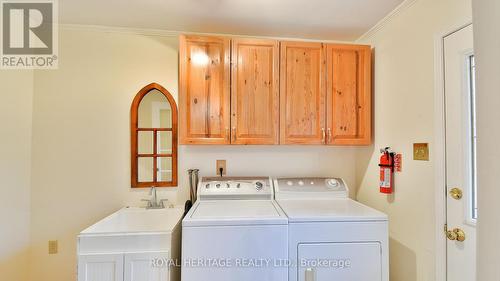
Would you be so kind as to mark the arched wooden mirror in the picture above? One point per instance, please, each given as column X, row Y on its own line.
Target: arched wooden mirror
column 153, row 124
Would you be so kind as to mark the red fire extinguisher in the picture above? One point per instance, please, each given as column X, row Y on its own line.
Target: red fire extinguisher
column 386, row 171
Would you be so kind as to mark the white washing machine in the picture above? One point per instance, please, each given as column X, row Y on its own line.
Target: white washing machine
column 332, row 237
column 234, row 231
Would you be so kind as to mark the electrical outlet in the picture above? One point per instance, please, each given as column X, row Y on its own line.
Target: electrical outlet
column 220, row 164
column 53, row 247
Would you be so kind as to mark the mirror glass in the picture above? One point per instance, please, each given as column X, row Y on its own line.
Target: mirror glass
column 155, row 133
column 155, row 111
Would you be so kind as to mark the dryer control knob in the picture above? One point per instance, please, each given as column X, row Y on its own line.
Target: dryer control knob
column 333, row 183
column 217, row 185
column 289, row 183
column 259, row 185
column 301, row 182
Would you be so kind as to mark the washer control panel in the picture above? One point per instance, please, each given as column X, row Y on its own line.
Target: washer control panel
column 318, row 188
column 217, row 188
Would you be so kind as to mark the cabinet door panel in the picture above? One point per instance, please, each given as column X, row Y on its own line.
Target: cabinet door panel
column 349, row 94
column 302, row 95
column 147, row 267
column 254, row 92
column 103, row 267
column 204, row 89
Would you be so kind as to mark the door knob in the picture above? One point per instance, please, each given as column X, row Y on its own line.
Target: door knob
column 456, row 193
column 456, row 234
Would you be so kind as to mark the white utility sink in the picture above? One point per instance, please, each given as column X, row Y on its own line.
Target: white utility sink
column 125, row 246
column 137, row 220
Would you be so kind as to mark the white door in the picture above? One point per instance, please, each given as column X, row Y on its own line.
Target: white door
column 105, row 267
column 147, row 267
column 461, row 209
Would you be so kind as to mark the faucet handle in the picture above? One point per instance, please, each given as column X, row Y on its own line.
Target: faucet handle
column 148, row 201
column 162, row 203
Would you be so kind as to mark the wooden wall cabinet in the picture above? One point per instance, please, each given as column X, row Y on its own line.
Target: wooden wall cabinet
column 204, row 89
column 302, row 93
column 348, row 94
column 256, row 91
column 217, row 111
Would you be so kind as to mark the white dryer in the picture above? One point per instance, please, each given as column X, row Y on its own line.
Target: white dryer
column 234, row 231
column 332, row 237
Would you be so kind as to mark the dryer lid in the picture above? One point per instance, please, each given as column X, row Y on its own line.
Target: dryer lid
column 329, row 210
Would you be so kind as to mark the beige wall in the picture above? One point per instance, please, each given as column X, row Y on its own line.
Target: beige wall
column 81, row 141
column 487, row 46
column 16, row 93
column 80, row 149
column 404, row 114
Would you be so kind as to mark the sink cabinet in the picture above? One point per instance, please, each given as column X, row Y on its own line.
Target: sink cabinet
column 132, row 245
column 124, row 267
column 100, row 267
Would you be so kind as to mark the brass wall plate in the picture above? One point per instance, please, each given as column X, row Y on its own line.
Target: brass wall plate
column 53, row 247
column 421, row 151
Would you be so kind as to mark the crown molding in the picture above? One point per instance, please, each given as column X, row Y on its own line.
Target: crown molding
column 383, row 22
column 123, row 30
column 173, row 33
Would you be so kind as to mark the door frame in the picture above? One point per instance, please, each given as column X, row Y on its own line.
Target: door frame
column 440, row 149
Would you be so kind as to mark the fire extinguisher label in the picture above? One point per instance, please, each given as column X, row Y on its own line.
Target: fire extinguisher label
column 386, row 183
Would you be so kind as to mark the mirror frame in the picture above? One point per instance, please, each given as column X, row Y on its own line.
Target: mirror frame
column 134, row 129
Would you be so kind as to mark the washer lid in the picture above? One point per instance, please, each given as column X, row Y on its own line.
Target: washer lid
column 234, row 212
column 329, row 210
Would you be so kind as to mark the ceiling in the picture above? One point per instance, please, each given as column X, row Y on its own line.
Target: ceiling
column 310, row 19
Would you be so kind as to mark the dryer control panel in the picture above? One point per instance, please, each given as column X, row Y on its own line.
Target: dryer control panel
column 220, row 188
column 310, row 188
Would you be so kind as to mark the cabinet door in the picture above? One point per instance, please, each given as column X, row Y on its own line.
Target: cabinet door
column 105, row 267
column 302, row 95
column 255, row 91
column 349, row 94
column 147, row 267
column 204, row 82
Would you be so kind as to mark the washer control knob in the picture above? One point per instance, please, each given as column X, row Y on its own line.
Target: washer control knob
column 217, row 185
column 227, row 185
column 238, row 185
column 333, row 183
column 207, row 186
column 290, row 183
column 259, row 185
column 301, row 182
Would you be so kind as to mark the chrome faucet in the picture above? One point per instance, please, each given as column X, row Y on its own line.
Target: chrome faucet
column 154, row 203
